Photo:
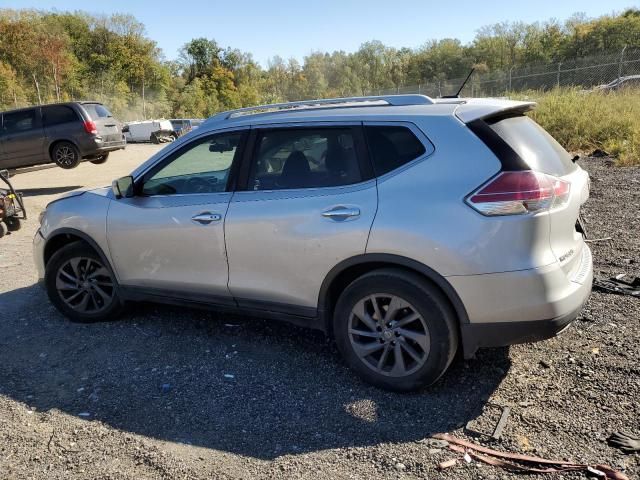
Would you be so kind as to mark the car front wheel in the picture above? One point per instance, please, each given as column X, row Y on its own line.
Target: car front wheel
column 81, row 286
column 395, row 329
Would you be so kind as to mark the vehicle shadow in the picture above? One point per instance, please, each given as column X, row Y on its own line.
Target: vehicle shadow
column 33, row 192
column 246, row 386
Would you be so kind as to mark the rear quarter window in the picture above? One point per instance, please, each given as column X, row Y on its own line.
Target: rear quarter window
column 58, row 114
column 392, row 147
column 539, row 150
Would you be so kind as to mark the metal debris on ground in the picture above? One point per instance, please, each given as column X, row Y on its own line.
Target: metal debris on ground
column 596, row 240
column 625, row 442
column 497, row 431
column 618, row 285
column 517, row 462
column 447, row 463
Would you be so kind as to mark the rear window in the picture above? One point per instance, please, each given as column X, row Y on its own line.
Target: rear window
column 97, row 110
column 534, row 145
column 392, row 146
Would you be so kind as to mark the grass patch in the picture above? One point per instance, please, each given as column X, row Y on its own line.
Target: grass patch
column 584, row 122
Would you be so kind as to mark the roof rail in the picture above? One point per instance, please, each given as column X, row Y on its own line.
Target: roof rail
column 327, row 103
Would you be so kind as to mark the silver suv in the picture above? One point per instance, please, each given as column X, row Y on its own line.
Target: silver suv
column 405, row 227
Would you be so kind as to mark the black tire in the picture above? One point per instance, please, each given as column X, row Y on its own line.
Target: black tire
column 434, row 315
column 101, row 159
column 3, row 229
column 91, row 272
column 65, row 155
column 13, row 224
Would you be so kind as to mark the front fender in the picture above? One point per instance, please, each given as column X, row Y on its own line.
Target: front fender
column 83, row 216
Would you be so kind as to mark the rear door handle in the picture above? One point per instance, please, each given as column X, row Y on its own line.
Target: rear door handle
column 341, row 213
column 205, row 218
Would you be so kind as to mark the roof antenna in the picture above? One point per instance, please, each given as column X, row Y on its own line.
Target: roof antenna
column 457, row 95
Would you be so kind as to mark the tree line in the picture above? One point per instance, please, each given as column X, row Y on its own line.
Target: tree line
column 52, row 56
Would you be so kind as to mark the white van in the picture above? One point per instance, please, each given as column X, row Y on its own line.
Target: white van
column 155, row 131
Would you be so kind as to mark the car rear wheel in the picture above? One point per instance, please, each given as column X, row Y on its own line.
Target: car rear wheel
column 81, row 286
column 100, row 159
column 395, row 329
column 65, row 155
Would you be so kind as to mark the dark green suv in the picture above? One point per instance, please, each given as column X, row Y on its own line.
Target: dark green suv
column 62, row 133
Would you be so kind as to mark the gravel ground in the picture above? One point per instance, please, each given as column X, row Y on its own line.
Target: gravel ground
column 168, row 393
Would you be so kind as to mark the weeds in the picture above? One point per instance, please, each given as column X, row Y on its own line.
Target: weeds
column 585, row 121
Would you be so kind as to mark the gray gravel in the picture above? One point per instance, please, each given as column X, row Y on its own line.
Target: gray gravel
column 168, row 393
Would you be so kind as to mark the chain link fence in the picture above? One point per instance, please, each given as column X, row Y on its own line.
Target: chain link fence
column 585, row 72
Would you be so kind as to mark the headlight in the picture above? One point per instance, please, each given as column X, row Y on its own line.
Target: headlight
column 41, row 216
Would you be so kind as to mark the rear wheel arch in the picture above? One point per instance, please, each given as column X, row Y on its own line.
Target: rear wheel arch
column 348, row 270
column 56, row 142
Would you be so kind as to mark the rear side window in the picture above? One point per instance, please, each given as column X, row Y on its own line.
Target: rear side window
column 539, row 150
column 304, row 158
column 97, row 110
column 19, row 121
column 392, row 146
column 58, row 114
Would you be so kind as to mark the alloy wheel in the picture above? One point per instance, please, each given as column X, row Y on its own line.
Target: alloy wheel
column 389, row 335
column 85, row 285
column 65, row 155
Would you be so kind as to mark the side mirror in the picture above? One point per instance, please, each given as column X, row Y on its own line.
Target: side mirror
column 5, row 174
column 123, row 187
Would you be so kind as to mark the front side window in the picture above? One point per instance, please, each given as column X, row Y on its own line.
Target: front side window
column 304, row 158
column 19, row 121
column 58, row 114
column 202, row 167
column 392, row 146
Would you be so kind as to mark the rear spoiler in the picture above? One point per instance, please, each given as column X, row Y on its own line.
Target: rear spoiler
column 481, row 108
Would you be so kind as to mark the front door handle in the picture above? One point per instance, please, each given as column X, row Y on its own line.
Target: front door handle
column 341, row 213
column 205, row 218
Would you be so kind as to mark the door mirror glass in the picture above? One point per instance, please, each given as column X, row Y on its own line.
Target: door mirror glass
column 223, row 144
column 123, row 187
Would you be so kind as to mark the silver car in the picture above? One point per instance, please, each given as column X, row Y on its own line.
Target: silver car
column 404, row 227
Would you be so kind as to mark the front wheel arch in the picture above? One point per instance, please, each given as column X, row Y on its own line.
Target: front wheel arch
column 65, row 236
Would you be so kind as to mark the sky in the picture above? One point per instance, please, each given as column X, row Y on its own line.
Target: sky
column 295, row 28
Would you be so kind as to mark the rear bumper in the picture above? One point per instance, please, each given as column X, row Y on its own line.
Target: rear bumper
column 521, row 307
column 94, row 147
column 111, row 147
column 481, row 335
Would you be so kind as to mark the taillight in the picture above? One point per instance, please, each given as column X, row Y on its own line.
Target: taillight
column 90, row 127
column 521, row 192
